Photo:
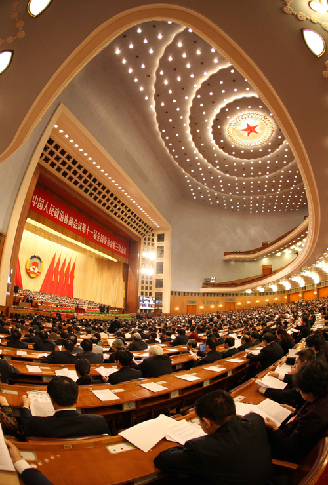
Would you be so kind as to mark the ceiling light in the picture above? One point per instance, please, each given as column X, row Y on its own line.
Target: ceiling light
column 5, row 59
column 36, row 7
column 318, row 7
column 314, row 41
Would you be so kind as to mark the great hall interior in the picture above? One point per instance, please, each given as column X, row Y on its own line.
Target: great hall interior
column 162, row 158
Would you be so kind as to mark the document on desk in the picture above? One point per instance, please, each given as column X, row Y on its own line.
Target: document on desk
column 271, row 382
column 43, row 354
column 145, row 435
column 292, row 352
column 283, row 369
column 67, row 373
column 153, row 386
column 182, row 431
column 255, row 351
column 105, row 395
column 172, row 350
column 266, row 409
column 215, row 368
column 33, row 369
column 188, row 377
column 236, row 360
column 21, row 352
column 5, row 461
column 41, row 404
column 106, row 371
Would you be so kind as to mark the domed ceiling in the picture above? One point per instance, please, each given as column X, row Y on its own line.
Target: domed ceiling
column 222, row 139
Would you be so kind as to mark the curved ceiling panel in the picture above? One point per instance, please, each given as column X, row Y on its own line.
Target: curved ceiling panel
column 221, row 137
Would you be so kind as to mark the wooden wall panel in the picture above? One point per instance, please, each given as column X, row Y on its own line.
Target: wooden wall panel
column 309, row 295
column 96, row 279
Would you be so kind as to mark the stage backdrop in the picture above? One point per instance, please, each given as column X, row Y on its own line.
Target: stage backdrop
column 97, row 279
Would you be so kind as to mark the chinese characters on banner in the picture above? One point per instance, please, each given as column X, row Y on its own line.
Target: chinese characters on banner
column 53, row 209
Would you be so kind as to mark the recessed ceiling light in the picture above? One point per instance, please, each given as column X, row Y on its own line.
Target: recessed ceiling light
column 5, row 59
column 314, row 41
column 36, row 7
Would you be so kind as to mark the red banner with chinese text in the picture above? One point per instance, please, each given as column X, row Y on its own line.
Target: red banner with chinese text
column 57, row 211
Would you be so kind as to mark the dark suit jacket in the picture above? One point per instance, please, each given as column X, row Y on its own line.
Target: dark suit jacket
column 7, row 371
column 44, row 345
column 138, row 345
column 209, row 358
column 180, row 340
column 124, row 374
column 244, row 346
column 238, row 450
column 4, row 330
column 229, row 353
column 60, row 357
column 17, row 344
column 63, row 424
column 155, row 366
column 295, row 439
column 92, row 357
column 31, row 476
column 268, row 355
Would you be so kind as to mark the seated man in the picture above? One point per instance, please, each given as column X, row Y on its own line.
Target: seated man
column 15, row 341
column 137, row 343
column 314, row 342
column 181, row 339
column 229, row 343
column 43, row 343
column 290, row 395
column 156, row 364
column 7, row 371
column 235, row 450
column 61, row 356
column 124, row 373
column 92, row 357
column 116, row 346
column 245, row 343
column 294, row 440
column 211, row 353
column 83, row 367
column 67, row 422
column 269, row 354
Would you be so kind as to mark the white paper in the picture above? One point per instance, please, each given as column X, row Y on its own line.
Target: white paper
column 274, row 410
column 188, row 377
column 236, row 360
column 41, row 404
column 292, row 352
column 5, row 461
column 237, row 342
column 255, row 351
column 33, row 368
column 215, row 368
column 43, row 354
column 283, row 369
column 153, row 386
column 106, row 371
column 67, row 373
column 145, row 435
column 271, row 382
column 182, row 431
column 105, row 395
column 169, row 350
column 21, row 352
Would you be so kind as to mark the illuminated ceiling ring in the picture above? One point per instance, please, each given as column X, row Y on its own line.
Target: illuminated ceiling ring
column 241, row 132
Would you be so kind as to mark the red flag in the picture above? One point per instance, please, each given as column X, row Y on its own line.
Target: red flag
column 53, row 287
column 67, row 273
column 18, row 276
column 61, row 279
column 48, row 277
column 71, row 281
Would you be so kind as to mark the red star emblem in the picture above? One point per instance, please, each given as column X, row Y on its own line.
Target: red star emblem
column 250, row 129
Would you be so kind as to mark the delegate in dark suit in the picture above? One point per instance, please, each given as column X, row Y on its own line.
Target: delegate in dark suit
column 7, row 371
column 124, row 374
column 92, row 357
column 238, row 452
column 210, row 357
column 268, row 354
column 44, row 345
column 60, row 357
column 180, row 340
column 63, row 424
column 31, row 476
column 155, row 366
